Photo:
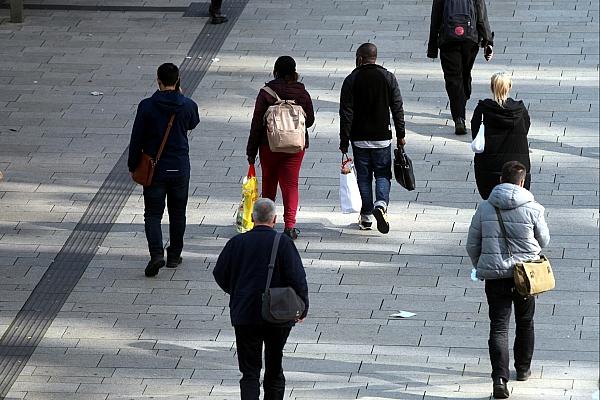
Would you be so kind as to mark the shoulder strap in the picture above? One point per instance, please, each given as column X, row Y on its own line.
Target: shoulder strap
column 503, row 229
column 165, row 137
column 273, row 257
column 271, row 92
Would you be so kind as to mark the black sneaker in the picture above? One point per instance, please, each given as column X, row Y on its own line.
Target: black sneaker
column 460, row 128
column 173, row 262
column 380, row 215
column 500, row 389
column 292, row 233
column 217, row 19
column 523, row 375
column 153, row 266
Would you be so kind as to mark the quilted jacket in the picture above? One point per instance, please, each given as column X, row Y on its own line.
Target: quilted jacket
column 526, row 230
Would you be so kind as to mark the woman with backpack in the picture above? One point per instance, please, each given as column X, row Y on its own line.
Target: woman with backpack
column 280, row 168
column 506, row 123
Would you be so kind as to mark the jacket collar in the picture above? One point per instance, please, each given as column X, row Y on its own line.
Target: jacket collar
column 262, row 228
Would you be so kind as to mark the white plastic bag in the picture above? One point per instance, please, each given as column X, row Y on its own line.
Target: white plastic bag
column 350, row 199
column 478, row 144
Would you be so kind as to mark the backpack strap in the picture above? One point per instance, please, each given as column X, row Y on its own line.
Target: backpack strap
column 272, row 262
column 271, row 92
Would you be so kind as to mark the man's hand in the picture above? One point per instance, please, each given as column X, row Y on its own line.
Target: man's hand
column 251, row 160
column 301, row 320
column 488, row 52
column 401, row 142
column 344, row 149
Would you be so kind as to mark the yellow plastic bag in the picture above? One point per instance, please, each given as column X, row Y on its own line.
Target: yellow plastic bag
column 243, row 219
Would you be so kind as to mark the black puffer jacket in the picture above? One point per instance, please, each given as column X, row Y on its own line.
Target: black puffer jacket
column 506, row 130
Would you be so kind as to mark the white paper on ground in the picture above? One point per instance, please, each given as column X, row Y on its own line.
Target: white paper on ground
column 402, row 314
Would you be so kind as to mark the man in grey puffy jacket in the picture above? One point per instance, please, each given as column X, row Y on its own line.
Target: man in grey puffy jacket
column 527, row 234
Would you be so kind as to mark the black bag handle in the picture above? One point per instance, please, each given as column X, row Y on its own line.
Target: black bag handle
column 272, row 262
column 503, row 229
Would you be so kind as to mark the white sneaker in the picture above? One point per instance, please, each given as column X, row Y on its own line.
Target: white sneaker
column 365, row 223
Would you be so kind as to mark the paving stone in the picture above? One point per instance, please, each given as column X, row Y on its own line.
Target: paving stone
column 66, row 141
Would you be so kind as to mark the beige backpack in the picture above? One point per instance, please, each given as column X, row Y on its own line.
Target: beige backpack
column 286, row 125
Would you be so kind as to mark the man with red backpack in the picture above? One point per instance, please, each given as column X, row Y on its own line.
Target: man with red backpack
column 458, row 28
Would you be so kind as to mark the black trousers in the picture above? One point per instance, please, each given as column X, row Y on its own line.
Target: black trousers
column 249, row 342
column 501, row 295
column 215, row 6
column 457, row 62
column 175, row 191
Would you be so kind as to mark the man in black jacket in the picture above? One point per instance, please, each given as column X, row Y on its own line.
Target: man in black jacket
column 241, row 271
column 368, row 94
column 172, row 173
column 458, row 28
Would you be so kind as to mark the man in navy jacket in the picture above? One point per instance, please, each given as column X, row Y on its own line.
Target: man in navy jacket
column 241, row 271
column 172, row 173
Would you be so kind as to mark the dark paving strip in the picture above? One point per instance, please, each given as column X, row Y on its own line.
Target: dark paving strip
column 83, row 7
column 35, row 317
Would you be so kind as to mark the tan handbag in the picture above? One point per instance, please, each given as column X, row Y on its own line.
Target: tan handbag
column 531, row 277
column 145, row 169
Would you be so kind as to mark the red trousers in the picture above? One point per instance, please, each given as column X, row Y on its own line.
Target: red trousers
column 282, row 169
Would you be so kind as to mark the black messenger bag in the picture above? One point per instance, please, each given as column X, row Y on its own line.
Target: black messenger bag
column 281, row 304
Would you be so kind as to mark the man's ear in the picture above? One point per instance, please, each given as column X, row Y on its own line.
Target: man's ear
column 501, row 179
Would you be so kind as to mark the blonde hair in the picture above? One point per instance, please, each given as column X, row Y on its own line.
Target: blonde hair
column 501, row 83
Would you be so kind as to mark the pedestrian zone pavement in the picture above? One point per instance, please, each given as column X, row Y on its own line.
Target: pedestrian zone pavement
column 70, row 82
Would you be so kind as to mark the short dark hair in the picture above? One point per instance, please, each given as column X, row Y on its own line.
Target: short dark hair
column 368, row 51
column 513, row 172
column 168, row 74
column 285, row 68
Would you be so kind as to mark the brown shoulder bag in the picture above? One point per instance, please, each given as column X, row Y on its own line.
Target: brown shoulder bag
column 145, row 169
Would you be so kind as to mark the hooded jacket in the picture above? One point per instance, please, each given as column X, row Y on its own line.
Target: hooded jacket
column 525, row 226
column 150, row 125
column 286, row 91
column 436, row 39
column 506, row 130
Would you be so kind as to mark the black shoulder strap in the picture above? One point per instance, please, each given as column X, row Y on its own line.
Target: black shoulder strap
column 503, row 229
column 273, row 258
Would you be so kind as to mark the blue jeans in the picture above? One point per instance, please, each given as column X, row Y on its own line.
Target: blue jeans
column 175, row 191
column 369, row 163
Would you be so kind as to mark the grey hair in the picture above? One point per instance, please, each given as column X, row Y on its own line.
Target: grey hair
column 263, row 211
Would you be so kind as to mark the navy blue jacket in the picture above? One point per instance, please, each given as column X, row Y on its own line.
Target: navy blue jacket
column 242, row 270
column 149, row 127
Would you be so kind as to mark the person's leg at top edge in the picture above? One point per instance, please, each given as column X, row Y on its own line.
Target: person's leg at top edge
column 214, row 10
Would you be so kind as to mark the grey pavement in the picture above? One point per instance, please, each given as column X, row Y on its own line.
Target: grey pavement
column 123, row 336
